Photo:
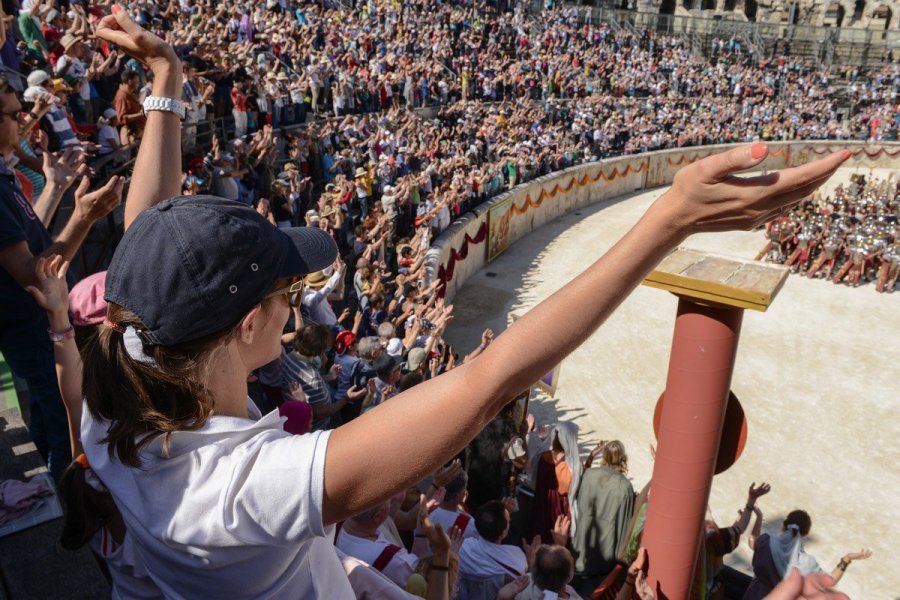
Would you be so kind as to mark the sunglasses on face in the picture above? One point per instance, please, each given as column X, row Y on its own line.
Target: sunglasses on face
column 292, row 288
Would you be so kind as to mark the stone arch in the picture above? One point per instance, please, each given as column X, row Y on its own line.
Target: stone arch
column 667, row 7
column 881, row 16
column 859, row 9
column 688, row 4
column 834, row 15
column 708, row 4
column 750, row 9
column 729, row 5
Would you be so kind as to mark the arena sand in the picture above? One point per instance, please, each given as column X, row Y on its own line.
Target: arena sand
column 818, row 376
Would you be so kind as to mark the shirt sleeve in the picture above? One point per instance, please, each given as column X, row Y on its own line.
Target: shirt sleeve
column 276, row 492
column 313, row 298
column 11, row 230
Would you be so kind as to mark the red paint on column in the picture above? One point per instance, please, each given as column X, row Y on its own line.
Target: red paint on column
column 699, row 379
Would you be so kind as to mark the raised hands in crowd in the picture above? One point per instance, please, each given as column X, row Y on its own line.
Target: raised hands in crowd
column 364, row 361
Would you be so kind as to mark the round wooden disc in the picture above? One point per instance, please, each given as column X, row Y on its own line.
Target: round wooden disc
column 734, row 431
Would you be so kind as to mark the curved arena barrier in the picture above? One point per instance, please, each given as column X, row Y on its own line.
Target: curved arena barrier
column 480, row 236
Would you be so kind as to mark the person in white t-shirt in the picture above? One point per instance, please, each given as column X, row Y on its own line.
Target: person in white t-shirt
column 448, row 514
column 219, row 504
column 360, row 537
column 484, row 555
column 107, row 133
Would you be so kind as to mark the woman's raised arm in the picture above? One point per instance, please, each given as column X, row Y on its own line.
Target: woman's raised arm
column 417, row 431
column 157, row 170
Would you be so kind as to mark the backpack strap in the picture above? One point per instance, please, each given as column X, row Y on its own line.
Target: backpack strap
column 337, row 530
column 385, row 557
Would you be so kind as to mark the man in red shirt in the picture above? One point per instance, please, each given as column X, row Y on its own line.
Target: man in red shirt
column 53, row 31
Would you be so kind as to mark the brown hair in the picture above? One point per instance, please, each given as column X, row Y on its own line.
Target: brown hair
column 87, row 510
column 142, row 402
column 312, row 340
column 614, row 456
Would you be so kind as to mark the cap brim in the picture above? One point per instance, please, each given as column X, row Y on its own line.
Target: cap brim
column 307, row 250
column 13, row 78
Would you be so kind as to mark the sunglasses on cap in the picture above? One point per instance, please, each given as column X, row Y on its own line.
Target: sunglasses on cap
column 292, row 287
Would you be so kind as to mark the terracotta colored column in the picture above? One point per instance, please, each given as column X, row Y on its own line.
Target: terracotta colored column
column 699, row 379
column 713, row 292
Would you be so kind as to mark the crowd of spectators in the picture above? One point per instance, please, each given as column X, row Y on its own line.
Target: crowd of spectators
column 851, row 236
column 305, row 112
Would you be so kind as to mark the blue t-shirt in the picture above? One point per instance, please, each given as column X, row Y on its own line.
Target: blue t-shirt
column 18, row 223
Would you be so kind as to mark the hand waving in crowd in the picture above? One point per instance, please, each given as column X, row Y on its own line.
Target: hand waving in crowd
column 93, row 206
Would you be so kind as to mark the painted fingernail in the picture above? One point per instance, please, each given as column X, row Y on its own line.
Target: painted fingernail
column 758, row 150
column 846, row 154
column 115, row 8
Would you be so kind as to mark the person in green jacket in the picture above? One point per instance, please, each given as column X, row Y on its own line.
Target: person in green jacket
column 30, row 26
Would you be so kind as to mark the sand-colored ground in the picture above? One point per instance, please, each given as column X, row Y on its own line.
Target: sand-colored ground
column 818, row 375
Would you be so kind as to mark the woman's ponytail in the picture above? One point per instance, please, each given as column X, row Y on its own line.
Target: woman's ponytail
column 87, row 508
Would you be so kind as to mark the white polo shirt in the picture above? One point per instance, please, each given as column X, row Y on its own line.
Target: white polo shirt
column 398, row 570
column 234, row 511
column 447, row 519
column 481, row 558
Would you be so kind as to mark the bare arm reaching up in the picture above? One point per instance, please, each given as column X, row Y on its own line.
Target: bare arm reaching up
column 705, row 196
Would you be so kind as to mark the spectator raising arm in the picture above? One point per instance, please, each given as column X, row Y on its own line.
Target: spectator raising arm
column 89, row 208
column 705, row 196
column 52, row 294
column 157, row 169
column 60, row 173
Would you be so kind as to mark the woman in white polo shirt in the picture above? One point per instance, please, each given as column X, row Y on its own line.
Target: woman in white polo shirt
column 221, row 502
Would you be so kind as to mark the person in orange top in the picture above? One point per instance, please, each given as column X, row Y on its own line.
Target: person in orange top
column 128, row 108
column 555, row 470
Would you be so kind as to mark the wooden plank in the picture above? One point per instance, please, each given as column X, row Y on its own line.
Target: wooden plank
column 32, row 563
column 718, row 279
column 712, row 269
column 678, row 261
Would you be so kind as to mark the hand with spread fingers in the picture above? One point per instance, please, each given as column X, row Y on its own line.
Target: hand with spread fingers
column 61, row 170
column 708, row 195
column 93, row 206
column 52, row 294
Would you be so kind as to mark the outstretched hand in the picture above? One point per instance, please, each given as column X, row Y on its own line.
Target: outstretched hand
column 561, row 530
column 120, row 29
column 861, row 555
column 756, row 492
column 812, row 587
column 53, row 292
column 708, row 196
column 61, row 170
column 93, row 206
column 438, row 539
column 531, row 549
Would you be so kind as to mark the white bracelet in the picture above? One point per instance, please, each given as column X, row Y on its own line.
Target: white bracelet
column 164, row 104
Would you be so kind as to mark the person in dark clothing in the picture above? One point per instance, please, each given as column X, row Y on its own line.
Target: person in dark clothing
column 26, row 340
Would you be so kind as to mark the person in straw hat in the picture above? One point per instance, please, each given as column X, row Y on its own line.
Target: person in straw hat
column 322, row 288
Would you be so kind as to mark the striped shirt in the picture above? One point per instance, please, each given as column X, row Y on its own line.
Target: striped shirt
column 62, row 128
column 298, row 370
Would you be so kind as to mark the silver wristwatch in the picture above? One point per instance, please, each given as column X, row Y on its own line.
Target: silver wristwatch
column 164, row 104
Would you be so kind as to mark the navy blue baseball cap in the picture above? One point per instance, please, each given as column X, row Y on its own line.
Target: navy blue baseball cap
column 194, row 265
